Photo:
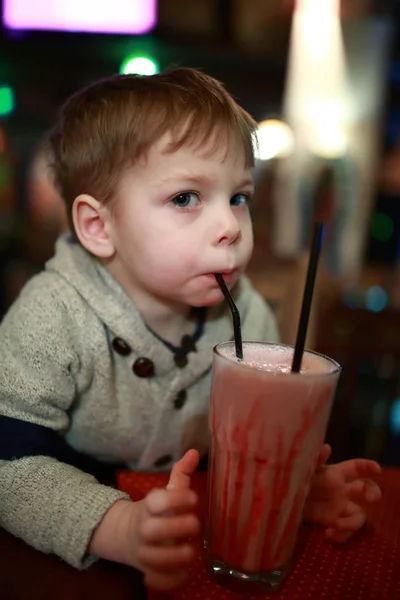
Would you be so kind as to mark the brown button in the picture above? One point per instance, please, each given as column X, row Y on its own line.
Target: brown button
column 163, row 461
column 180, row 399
column 121, row 347
column 180, row 360
column 143, row 367
column 188, row 344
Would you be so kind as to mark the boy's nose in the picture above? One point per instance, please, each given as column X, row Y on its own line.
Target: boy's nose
column 229, row 231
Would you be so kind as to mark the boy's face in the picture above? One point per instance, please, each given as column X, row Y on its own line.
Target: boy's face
column 181, row 217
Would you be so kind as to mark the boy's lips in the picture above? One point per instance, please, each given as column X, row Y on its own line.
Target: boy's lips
column 228, row 275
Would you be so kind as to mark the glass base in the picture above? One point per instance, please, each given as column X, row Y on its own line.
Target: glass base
column 248, row 583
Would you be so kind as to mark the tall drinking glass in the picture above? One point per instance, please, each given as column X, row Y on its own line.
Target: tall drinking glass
column 267, row 427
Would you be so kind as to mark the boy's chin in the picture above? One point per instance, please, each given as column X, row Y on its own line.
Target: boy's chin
column 212, row 298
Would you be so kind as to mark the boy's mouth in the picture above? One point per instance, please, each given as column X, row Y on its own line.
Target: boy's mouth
column 229, row 275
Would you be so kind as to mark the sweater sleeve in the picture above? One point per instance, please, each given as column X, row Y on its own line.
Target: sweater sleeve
column 52, row 506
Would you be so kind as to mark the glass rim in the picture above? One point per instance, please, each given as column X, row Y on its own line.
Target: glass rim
column 335, row 371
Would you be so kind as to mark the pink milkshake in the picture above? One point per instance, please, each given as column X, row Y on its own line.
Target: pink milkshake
column 267, row 427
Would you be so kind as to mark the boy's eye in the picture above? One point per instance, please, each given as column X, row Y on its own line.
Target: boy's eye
column 186, row 200
column 240, row 199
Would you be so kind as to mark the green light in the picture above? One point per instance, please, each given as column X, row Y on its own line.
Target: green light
column 382, row 227
column 6, row 100
column 139, row 65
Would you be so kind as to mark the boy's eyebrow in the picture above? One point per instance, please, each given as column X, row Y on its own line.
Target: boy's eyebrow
column 248, row 182
column 201, row 179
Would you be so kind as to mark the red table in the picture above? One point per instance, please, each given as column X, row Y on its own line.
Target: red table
column 26, row 574
column 365, row 568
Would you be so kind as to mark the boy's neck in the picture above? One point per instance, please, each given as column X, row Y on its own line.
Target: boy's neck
column 168, row 323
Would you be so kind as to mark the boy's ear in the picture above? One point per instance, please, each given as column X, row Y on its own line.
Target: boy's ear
column 91, row 222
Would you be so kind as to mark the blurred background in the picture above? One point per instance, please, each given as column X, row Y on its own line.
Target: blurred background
column 322, row 79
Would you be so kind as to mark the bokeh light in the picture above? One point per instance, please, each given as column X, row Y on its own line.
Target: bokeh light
column 94, row 16
column 139, row 65
column 395, row 417
column 274, row 139
column 7, row 101
column 376, row 299
column 329, row 140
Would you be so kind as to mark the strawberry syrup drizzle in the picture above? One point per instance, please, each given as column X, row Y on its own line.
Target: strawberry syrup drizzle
column 231, row 545
column 308, row 420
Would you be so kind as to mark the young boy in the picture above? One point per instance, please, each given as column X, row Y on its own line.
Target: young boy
column 106, row 355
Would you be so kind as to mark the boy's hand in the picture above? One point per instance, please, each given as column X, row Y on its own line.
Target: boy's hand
column 339, row 494
column 160, row 526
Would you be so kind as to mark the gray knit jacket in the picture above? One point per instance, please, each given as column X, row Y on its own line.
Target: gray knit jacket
column 59, row 369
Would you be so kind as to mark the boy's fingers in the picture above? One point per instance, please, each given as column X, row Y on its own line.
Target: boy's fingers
column 160, row 501
column 358, row 467
column 324, row 455
column 363, row 491
column 353, row 520
column 183, row 470
column 157, row 530
column 167, row 557
column 346, row 526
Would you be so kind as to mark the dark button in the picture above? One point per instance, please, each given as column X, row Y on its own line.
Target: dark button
column 121, row 347
column 180, row 399
column 180, row 360
column 143, row 367
column 188, row 344
column 163, row 461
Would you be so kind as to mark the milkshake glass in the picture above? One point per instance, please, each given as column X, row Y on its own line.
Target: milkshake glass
column 267, row 426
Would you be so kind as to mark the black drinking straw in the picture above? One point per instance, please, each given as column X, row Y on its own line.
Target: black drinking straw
column 308, row 296
column 237, row 332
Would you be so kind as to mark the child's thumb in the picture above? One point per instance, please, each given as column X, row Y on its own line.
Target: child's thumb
column 183, row 470
column 323, row 455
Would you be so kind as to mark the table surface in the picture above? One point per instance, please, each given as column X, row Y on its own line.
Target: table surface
column 26, row 574
column 366, row 568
